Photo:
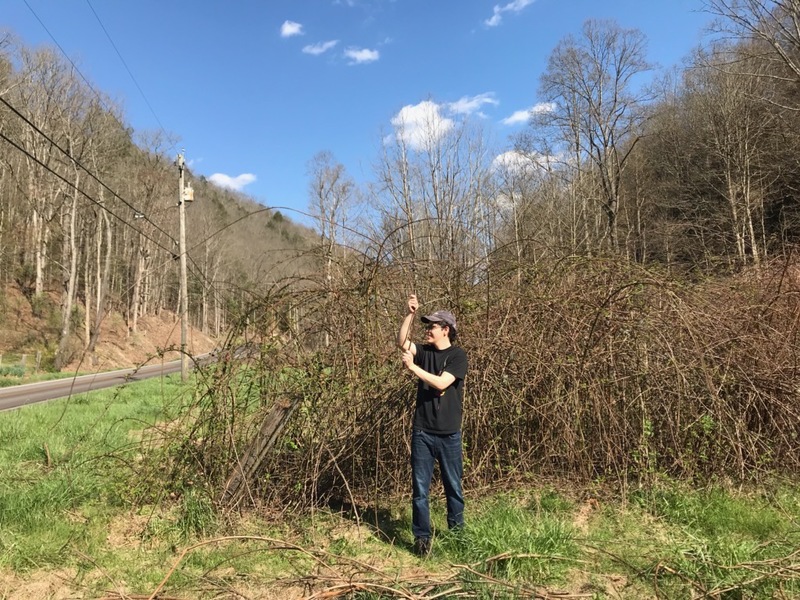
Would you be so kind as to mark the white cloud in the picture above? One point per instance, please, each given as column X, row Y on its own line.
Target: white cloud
column 520, row 164
column 359, row 56
column 320, row 48
column 421, row 124
column 522, row 116
column 543, row 107
column 511, row 161
column 517, row 117
column 232, row 183
column 514, row 6
column 468, row 105
column 290, row 28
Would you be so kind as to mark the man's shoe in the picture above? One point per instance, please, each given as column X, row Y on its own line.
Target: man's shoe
column 422, row 547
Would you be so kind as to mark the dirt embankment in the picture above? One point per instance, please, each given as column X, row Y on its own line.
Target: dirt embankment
column 24, row 330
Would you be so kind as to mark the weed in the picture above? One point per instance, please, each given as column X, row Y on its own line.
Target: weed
column 12, row 371
column 551, row 502
column 197, row 516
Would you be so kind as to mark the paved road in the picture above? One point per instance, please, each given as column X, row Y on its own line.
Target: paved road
column 20, row 395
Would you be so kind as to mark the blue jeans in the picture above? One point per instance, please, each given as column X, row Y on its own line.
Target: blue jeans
column 426, row 449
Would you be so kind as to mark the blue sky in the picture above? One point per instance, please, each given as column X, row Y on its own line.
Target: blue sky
column 254, row 89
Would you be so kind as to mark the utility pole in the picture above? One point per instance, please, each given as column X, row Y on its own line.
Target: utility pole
column 184, row 288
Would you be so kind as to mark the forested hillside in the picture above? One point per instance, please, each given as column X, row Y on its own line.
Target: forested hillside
column 89, row 217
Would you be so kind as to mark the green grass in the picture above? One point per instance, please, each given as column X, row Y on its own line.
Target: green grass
column 18, row 375
column 64, row 467
column 68, row 500
column 714, row 512
column 713, row 542
column 514, row 541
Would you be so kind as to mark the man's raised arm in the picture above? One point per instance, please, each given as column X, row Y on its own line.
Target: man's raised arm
column 403, row 340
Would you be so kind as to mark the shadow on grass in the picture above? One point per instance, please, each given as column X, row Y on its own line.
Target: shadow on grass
column 379, row 520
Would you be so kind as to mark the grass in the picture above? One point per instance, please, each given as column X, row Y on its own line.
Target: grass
column 18, row 375
column 67, row 507
column 64, row 467
column 739, row 544
column 513, row 541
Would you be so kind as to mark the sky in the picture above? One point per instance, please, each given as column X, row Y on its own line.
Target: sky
column 254, row 89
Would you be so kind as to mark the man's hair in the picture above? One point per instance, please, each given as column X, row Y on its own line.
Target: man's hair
column 452, row 334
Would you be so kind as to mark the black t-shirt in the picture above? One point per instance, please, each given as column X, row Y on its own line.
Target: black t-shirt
column 440, row 411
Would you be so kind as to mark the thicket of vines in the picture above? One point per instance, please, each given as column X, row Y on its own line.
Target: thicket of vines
column 583, row 369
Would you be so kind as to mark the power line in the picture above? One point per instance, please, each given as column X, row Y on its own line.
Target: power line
column 198, row 272
column 86, row 81
column 90, row 198
column 171, row 252
column 52, row 37
column 74, row 66
column 124, row 64
column 88, row 172
column 76, row 188
column 99, row 96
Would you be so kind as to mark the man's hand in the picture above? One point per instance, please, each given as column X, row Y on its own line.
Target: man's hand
column 413, row 303
column 408, row 359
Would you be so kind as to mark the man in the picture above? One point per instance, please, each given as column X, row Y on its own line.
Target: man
column 440, row 368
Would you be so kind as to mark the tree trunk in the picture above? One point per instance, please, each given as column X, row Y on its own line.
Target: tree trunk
column 87, row 292
column 135, row 303
column 70, row 286
column 102, row 292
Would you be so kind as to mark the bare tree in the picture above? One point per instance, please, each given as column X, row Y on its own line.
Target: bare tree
column 401, row 211
column 111, row 142
column 80, row 124
column 520, row 178
column 149, row 182
column 773, row 29
column 433, row 192
column 593, row 88
column 330, row 197
column 739, row 129
column 45, row 84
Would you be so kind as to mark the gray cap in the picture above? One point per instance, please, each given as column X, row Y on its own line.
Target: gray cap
column 441, row 316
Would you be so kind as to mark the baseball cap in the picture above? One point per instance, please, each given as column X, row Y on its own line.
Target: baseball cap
column 441, row 316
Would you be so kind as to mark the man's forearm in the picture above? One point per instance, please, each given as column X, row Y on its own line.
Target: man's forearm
column 405, row 327
column 440, row 382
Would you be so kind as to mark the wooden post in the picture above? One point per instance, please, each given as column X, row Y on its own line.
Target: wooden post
column 184, row 306
column 255, row 455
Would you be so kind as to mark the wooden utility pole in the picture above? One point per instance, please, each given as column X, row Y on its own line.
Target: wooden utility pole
column 184, row 304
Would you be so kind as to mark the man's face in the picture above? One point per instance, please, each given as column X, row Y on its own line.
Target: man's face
column 434, row 332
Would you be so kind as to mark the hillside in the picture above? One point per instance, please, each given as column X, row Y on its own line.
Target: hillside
column 23, row 332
